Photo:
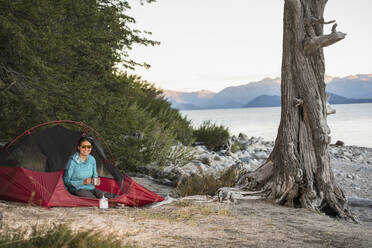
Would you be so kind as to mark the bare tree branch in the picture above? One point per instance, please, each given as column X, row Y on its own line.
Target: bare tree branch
column 334, row 28
column 314, row 43
column 321, row 20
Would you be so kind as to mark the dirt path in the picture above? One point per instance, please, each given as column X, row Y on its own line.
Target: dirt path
column 200, row 224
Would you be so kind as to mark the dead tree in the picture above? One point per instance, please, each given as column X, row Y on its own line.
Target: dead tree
column 297, row 172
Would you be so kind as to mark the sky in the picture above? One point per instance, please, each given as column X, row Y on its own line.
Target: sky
column 214, row 44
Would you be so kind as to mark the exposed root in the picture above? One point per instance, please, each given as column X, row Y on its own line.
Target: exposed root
column 256, row 179
column 290, row 190
column 236, row 194
column 337, row 206
column 283, row 198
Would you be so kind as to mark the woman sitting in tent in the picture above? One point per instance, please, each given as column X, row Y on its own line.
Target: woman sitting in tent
column 81, row 172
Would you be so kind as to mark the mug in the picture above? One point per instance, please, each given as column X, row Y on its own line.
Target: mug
column 96, row 181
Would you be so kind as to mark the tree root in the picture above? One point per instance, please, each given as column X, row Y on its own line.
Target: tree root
column 236, row 194
column 254, row 179
column 290, row 191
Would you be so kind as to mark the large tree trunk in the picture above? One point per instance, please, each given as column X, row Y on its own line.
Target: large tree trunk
column 298, row 172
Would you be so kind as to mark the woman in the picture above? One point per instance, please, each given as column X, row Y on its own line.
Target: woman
column 81, row 172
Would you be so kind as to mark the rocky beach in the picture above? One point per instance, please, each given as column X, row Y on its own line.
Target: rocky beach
column 351, row 165
column 200, row 221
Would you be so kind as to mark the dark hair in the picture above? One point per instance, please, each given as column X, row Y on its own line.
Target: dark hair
column 85, row 138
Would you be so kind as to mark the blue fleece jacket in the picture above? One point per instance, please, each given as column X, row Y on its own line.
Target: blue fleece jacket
column 77, row 171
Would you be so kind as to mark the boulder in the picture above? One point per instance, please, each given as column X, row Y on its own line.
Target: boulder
column 261, row 155
column 243, row 137
column 217, row 157
column 339, row 143
column 348, row 155
column 245, row 159
column 205, row 159
column 201, row 149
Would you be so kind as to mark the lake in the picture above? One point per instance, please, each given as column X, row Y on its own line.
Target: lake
column 352, row 123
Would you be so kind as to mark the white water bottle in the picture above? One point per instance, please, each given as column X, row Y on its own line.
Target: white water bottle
column 103, row 202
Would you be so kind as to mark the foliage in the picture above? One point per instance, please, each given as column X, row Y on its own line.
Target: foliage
column 56, row 55
column 181, row 155
column 236, row 146
column 59, row 60
column 212, row 135
column 206, row 184
column 58, row 236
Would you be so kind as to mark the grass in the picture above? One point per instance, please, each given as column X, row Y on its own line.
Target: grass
column 206, row 184
column 183, row 203
column 57, row 236
column 186, row 211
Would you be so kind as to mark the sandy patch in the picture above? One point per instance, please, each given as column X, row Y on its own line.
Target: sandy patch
column 200, row 224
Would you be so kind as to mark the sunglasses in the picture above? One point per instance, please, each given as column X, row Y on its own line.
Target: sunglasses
column 88, row 147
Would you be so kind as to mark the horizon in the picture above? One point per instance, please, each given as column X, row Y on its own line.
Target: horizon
column 226, row 44
column 211, row 91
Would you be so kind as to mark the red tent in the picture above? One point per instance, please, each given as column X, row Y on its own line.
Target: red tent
column 32, row 167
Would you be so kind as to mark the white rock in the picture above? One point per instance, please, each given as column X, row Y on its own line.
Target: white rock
column 200, row 149
column 253, row 163
column 243, row 137
column 234, row 156
column 245, row 159
column 350, row 176
column 205, row 159
column 261, row 155
column 217, row 158
column 348, row 155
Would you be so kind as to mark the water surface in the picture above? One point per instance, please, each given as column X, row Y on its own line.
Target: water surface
column 352, row 123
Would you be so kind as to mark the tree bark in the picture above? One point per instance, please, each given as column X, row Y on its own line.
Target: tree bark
column 298, row 172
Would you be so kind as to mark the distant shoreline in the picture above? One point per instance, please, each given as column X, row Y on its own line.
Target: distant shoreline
column 279, row 106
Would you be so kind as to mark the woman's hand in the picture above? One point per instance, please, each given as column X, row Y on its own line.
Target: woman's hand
column 88, row 180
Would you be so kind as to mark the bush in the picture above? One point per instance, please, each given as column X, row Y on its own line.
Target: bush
column 198, row 185
column 58, row 236
column 143, row 110
column 212, row 135
column 158, row 145
column 236, row 146
column 206, row 184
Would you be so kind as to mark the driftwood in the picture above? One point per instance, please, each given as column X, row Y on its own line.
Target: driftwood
column 193, row 198
column 360, row 202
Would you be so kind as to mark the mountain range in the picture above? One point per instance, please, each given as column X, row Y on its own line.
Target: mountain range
column 266, row 93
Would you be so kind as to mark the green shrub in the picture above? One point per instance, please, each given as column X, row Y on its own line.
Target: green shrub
column 180, row 155
column 213, row 136
column 206, row 184
column 197, row 185
column 236, row 146
column 58, row 236
column 228, row 177
column 158, row 145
